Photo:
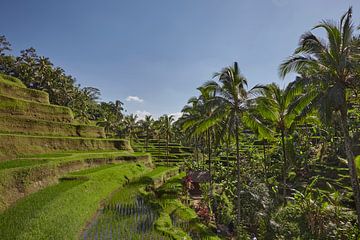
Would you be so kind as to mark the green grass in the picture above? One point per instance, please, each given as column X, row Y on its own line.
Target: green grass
column 19, row 177
column 29, row 126
column 14, row 90
column 14, row 145
column 35, row 110
column 11, row 80
column 126, row 215
column 21, row 163
column 61, row 211
column 79, row 138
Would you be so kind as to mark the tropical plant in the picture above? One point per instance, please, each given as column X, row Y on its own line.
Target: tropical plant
column 130, row 122
column 331, row 66
column 231, row 97
column 147, row 126
column 280, row 111
column 166, row 122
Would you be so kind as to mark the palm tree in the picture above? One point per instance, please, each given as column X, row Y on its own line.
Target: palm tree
column 166, row 127
column 200, row 119
column 331, row 66
column 130, row 126
column 110, row 116
column 280, row 110
column 147, row 124
column 188, row 121
column 231, row 97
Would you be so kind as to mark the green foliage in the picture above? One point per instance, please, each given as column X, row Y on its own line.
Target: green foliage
column 314, row 214
column 61, row 211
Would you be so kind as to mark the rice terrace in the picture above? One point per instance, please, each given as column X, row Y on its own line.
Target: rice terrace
column 162, row 120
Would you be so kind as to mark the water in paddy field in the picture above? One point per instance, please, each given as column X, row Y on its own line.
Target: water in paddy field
column 125, row 221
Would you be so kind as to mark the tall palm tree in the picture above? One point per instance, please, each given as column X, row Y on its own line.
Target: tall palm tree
column 231, row 96
column 191, row 114
column 200, row 119
column 331, row 66
column 147, row 124
column 280, row 110
column 166, row 127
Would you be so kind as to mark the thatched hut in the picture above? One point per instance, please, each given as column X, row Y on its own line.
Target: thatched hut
column 196, row 178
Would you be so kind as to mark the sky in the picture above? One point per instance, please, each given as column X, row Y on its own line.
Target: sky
column 153, row 54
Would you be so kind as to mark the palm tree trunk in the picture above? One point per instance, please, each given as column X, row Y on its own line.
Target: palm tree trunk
column 265, row 164
column 146, row 140
column 228, row 148
column 196, row 151
column 159, row 145
column 209, row 156
column 285, row 164
column 264, row 150
column 203, row 152
column 351, row 162
column 238, row 216
column 167, row 149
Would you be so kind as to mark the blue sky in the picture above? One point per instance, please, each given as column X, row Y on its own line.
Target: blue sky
column 155, row 53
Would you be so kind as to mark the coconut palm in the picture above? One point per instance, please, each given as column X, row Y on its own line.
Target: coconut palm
column 231, row 97
column 130, row 123
column 166, row 128
column 331, row 66
column 199, row 119
column 147, row 125
column 188, row 121
column 280, row 110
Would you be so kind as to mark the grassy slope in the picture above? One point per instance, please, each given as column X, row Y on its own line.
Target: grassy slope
column 12, row 81
column 60, row 211
column 13, row 145
column 30, row 126
column 13, row 89
column 33, row 109
column 58, row 158
column 22, row 176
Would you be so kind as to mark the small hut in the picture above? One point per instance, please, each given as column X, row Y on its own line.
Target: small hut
column 197, row 177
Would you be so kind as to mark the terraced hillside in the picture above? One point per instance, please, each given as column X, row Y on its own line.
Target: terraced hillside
column 64, row 180
column 41, row 142
column 163, row 154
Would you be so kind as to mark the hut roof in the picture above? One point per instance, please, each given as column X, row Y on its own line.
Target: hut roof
column 199, row 176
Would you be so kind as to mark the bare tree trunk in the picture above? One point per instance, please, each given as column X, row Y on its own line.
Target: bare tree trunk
column 238, row 216
column 285, row 164
column 351, row 162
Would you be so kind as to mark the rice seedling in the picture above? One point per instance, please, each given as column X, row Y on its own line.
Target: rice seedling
column 124, row 220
